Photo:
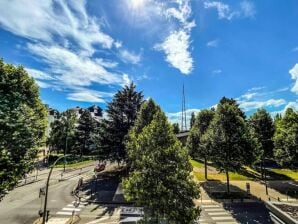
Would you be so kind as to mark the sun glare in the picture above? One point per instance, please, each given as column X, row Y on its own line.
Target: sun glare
column 136, row 4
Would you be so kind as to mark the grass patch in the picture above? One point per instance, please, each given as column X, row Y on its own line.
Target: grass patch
column 74, row 164
column 200, row 176
column 196, row 164
column 292, row 174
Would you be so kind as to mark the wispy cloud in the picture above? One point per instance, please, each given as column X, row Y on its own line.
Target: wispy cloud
column 176, row 116
column 129, row 57
column 212, row 43
column 176, row 45
column 87, row 95
column 245, row 9
column 217, row 71
column 252, row 105
column 64, row 38
column 294, row 75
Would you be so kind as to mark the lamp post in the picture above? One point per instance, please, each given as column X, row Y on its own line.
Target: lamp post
column 65, row 150
column 47, row 189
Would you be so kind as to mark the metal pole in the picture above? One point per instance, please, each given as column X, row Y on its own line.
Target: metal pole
column 47, row 189
column 65, row 149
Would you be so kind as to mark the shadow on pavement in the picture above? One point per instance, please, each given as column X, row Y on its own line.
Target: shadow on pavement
column 244, row 212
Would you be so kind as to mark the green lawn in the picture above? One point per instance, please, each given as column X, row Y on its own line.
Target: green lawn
column 75, row 164
column 287, row 172
column 196, row 164
column 214, row 175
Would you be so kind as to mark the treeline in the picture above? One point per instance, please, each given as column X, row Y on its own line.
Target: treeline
column 103, row 138
column 227, row 138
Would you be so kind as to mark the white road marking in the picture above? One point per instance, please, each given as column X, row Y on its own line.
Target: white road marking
column 71, row 205
column 210, row 206
column 64, row 213
column 214, row 209
column 221, row 218
column 226, row 223
column 218, row 213
column 71, row 209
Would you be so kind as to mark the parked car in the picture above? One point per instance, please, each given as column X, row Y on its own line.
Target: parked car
column 100, row 167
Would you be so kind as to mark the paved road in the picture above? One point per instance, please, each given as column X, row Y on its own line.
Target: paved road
column 23, row 203
column 232, row 213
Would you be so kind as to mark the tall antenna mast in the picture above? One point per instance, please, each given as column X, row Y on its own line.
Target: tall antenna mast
column 183, row 112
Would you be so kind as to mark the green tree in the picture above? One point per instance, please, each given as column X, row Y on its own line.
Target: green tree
column 231, row 141
column 286, row 139
column 161, row 180
column 23, row 121
column 176, row 128
column 84, row 133
column 197, row 146
column 192, row 119
column 121, row 112
column 144, row 118
column 62, row 132
column 263, row 127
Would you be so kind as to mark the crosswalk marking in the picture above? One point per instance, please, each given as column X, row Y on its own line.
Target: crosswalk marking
column 218, row 213
column 213, row 209
column 221, row 218
column 71, row 205
column 226, row 223
column 210, row 206
column 64, row 213
column 71, row 209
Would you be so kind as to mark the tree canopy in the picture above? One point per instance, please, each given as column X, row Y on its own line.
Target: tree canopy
column 231, row 141
column 286, row 139
column 196, row 145
column 22, row 124
column 121, row 113
column 161, row 180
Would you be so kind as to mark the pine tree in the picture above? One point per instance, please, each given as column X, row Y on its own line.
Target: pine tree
column 231, row 141
column 84, row 133
column 192, row 119
column 121, row 112
column 176, row 128
column 196, row 145
column 161, row 180
column 23, row 121
column 286, row 139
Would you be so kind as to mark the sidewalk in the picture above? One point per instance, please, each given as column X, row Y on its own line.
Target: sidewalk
column 257, row 190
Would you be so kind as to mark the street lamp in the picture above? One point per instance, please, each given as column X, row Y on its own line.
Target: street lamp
column 65, row 150
column 47, row 188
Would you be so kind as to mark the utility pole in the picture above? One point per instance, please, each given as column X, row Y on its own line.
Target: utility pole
column 183, row 112
column 65, row 150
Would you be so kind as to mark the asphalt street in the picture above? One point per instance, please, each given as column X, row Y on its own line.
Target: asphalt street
column 22, row 204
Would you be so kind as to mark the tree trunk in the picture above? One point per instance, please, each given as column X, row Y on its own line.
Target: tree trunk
column 228, row 181
column 205, row 163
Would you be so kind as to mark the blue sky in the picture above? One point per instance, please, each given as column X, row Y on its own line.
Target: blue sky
column 82, row 52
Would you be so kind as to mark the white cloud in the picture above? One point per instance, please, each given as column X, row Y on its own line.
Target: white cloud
column 87, row 95
column 126, row 80
column 53, row 20
column 37, row 74
column 118, row 44
column 217, row 71
column 295, row 49
column 42, row 84
column 252, row 105
column 129, row 57
column 294, row 75
column 292, row 104
column 176, row 44
column 176, row 49
column 176, row 116
column 246, row 9
column 212, row 43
